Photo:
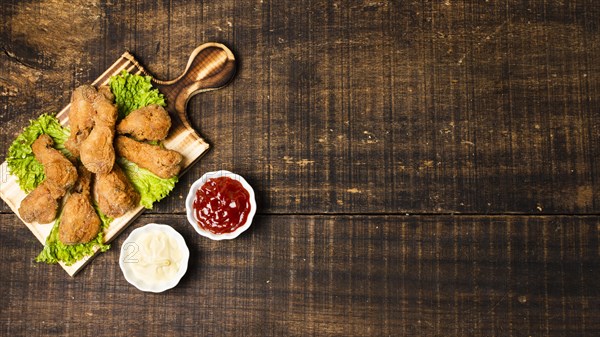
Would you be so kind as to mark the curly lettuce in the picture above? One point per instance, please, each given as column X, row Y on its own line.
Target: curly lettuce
column 20, row 159
column 133, row 92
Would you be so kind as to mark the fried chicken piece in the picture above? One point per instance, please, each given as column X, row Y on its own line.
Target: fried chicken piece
column 105, row 91
column 57, row 167
column 148, row 123
column 41, row 204
column 79, row 221
column 97, row 152
column 81, row 117
column 115, row 193
column 162, row 162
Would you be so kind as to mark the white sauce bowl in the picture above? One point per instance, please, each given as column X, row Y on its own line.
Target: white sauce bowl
column 128, row 258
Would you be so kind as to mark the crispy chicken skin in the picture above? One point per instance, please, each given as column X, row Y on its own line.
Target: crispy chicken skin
column 57, row 167
column 162, row 162
column 96, row 151
column 79, row 222
column 114, row 193
column 81, row 117
column 41, row 204
column 105, row 91
column 148, row 123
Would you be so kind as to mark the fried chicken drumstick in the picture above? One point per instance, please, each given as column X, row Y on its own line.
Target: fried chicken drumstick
column 114, row 193
column 81, row 117
column 96, row 151
column 79, row 221
column 41, row 204
column 162, row 162
column 148, row 123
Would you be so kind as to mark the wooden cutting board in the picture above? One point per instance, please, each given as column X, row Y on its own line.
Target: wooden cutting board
column 211, row 66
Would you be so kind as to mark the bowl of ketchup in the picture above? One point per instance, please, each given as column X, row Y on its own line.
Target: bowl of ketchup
column 220, row 205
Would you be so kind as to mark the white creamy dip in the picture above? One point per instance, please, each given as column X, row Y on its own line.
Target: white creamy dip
column 154, row 258
column 158, row 257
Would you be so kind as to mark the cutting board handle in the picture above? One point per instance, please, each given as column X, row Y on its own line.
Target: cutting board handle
column 211, row 66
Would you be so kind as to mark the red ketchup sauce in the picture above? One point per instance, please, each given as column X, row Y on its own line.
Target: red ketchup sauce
column 221, row 205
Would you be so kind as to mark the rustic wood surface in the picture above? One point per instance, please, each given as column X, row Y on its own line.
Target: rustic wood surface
column 427, row 168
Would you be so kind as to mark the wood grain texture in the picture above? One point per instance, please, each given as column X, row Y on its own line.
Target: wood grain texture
column 434, row 106
column 344, row 115
column 328, row 275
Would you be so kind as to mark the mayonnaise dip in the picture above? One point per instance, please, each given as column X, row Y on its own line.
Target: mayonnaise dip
column 158, row 258
column 154, row 258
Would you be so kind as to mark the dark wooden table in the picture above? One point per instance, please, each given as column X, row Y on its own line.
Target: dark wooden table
column 427, row 168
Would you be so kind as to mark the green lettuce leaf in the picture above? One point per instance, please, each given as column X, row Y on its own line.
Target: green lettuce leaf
column 55, row 251
column 20, row 159
column 151, row 187
column 133, row 92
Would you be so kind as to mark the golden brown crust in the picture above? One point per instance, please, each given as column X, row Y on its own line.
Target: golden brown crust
column 96, row 151
column 81, row 117
column 41, row 204
column 162, row 162
column 79, row 222
column 148, row 123
column 114, row 193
